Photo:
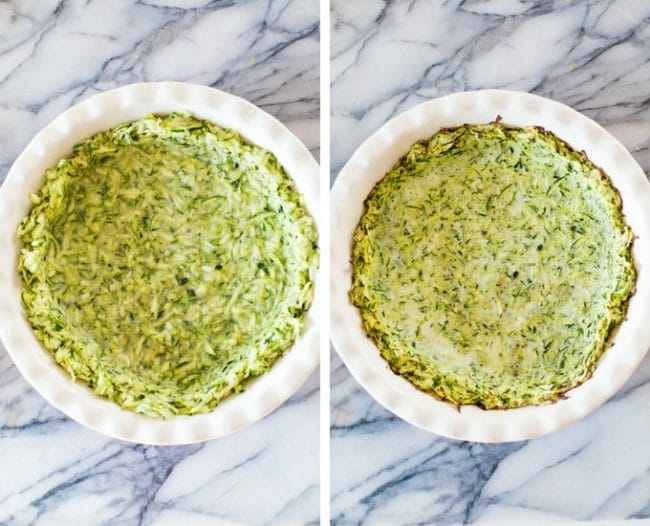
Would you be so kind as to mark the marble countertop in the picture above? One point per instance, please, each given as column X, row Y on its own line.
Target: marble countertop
column 593, row 55
column 52, row 55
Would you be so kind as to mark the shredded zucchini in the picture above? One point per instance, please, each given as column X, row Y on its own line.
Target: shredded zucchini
column 491, row 265
column 166, row 261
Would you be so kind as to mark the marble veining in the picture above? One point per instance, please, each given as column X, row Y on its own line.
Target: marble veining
column 52, row 55
column 388, row 56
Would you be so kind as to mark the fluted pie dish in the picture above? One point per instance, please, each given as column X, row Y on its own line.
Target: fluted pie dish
column 488, row 265
column 168, row 255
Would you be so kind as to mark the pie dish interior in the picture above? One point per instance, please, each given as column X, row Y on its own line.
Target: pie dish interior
column 491, row 265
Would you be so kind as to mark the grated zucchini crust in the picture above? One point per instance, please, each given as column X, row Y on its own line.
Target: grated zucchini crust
column 166, row 261
column 491, row 265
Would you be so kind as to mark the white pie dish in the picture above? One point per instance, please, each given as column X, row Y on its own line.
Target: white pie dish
column 376, row 156
column 100, row 112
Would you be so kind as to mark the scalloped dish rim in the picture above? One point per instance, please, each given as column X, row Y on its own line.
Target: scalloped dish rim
column 100, row 112
column 376, row 156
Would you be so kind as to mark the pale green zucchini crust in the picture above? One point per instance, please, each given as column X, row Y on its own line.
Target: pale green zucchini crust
column 166, row 261
column 491, row 265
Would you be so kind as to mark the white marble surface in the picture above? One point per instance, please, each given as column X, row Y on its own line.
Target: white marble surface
column 53, row 54
column 388, row 56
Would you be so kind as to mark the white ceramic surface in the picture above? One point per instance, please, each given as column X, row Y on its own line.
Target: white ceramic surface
column 263, row 394
column 370, row 163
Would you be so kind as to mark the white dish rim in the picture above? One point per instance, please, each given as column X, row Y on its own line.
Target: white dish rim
column 99, row 112
column 376, row 156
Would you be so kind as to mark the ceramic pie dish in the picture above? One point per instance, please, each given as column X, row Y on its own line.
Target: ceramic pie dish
column 105, row 111
column 376, row 157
